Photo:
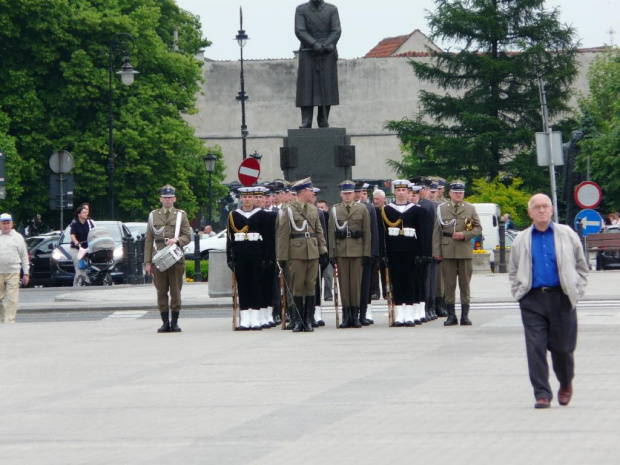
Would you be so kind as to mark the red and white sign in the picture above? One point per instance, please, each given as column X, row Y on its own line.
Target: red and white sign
column 588, row 194
column 249, row 170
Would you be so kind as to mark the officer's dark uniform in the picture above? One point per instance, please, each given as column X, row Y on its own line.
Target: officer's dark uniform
column 247, row 243
column 405, row 254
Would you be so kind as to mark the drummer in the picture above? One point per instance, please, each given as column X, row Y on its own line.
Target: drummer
column 160, row 232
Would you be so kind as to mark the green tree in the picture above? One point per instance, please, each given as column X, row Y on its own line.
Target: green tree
column 510, row 196
column 600, row 121
column 54, row 94
column 490, row 109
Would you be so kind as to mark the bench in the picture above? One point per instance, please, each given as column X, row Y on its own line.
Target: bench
column 603, row 242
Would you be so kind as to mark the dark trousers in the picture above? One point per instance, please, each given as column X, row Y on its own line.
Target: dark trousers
column 550, row 323
column 378, row 277
column 431, row 283
column 249, row 271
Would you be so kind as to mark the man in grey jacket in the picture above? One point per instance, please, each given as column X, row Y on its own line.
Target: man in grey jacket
column 548, row 274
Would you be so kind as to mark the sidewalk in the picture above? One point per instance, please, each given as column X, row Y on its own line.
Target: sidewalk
column 485, row 287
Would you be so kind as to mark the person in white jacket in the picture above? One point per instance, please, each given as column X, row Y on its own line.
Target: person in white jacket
column 13, row 259
column 548, row 275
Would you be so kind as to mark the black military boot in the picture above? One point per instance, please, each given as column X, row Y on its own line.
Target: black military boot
column 165, row 328
column 309, row 314
column 297, row 316
column 290, row 321
column 440, row 308
column 275, row 313
column 363, row 319
column 346, row 322
column 430, row 310
column 452, row 320
column 464, row 313
column 174, row 326
column 354, row 317
column 306, row 117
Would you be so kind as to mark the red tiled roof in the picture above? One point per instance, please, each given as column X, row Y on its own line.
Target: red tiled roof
column 388, row 46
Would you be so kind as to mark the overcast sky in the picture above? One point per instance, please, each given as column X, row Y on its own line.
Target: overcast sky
column 269, row 24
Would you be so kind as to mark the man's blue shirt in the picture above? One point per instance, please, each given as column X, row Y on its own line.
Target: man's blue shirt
column 544, row 262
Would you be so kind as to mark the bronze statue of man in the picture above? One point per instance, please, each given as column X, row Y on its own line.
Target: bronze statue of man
column 317, row 26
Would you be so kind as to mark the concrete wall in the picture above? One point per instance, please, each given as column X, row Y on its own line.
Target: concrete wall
column 372, row 91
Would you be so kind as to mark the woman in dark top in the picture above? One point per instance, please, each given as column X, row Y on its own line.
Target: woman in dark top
column 80, row 227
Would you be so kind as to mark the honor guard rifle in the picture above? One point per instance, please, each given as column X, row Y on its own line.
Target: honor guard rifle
column 235, row 301
column 336, row 294
column 390, row 296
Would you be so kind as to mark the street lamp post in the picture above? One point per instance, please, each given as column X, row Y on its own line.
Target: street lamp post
column 120, row 43
column 209, row 161
column 241, row 39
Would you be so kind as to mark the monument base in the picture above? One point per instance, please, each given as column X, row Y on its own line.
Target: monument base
column 324, row 154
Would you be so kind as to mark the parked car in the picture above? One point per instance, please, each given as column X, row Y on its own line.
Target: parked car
column 136, row 229
column 608, row 260
column 39, row 251
column 207, row 243
column 61, row 263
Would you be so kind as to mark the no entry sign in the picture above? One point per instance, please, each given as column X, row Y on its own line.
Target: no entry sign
column 588, row 194
column 249, row 170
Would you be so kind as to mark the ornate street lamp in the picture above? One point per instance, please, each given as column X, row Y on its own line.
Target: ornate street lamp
column 120, row 43
column 209, row 161
column 241, row 39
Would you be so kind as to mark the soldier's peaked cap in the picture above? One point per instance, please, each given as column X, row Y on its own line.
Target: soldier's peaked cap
column 167, row 191
column 457, row 186
column 347, row 186
column 302, row 184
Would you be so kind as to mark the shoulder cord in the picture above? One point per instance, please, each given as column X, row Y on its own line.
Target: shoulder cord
column 231, row 222
column 338, row 226
column 443, row 223
column 390, row 224
column 304, row 225
column 156, row 232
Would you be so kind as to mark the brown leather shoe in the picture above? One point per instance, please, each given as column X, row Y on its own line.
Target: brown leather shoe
column 564, row 394
column 542, row 403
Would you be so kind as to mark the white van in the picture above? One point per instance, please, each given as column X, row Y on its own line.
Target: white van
column 490, row 215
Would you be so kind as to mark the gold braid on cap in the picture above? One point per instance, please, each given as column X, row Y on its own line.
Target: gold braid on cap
column 231, row 222
column 395, row 224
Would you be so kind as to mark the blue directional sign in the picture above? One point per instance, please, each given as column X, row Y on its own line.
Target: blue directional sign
column 591, row 220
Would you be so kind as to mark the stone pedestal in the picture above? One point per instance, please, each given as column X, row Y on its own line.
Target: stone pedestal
column 325, row 154
column 220, row 276
column 482, row 263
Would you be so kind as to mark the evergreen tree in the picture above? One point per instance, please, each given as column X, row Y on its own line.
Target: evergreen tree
column 490, row 110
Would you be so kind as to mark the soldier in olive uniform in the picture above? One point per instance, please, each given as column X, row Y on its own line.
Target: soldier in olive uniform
column 349, row 249
column 300, row 243
column 160, row 233
column 458, row 224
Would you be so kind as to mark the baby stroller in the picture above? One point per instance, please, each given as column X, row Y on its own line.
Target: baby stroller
column 100, row 259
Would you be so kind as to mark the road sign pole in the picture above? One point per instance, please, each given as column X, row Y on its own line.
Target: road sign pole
column 547, row 129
